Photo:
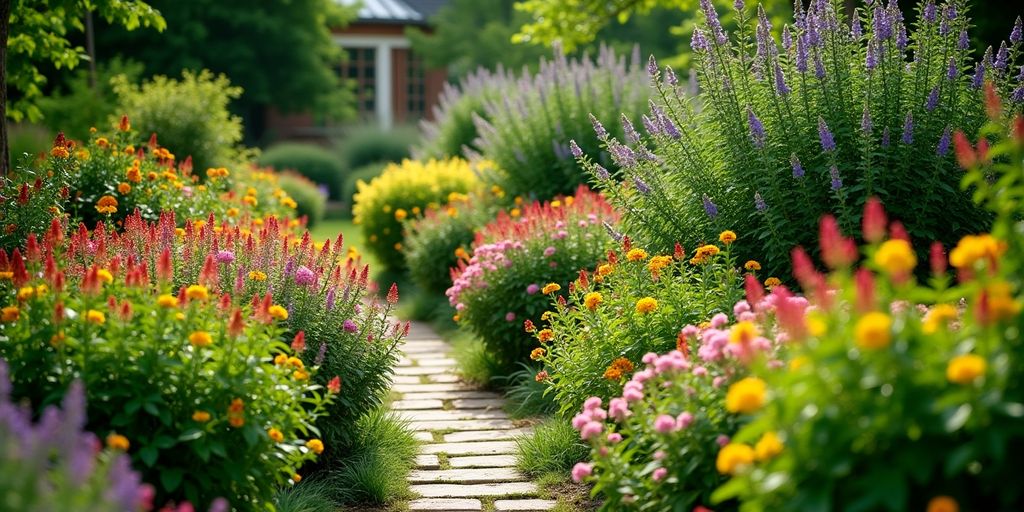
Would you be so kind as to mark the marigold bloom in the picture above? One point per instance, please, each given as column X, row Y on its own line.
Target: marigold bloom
column 10, row 314
column 401, row 214
column 107, row 205
column 300, row 375
column 605, row 269
column 200, row 416
column 768, row 446
column 997, row 303
column 873, row 331
column 746, row 396
column 316, row 445
column 123, row 188
column 118, row 442
column 704, row 254
column 743, row 332
column 546, row 335
column 943, row 504
column 197, row 292
column 60, row 152
column 278, row 312
column 965, row 369
column 772, row 282
column 896, row 257
column 658, row 262
column 732, row 457
column 95, row 317
column 938, row 316
column 537, row 353
column 727, row 237
column 257, row 275
column 26, row 292
column 167, row 301
column 550, row 288
column 752, row 266
column 592, row 300
column 105, row 275
column 280, row 359
column 636, row 254
column 124, row 125
column 275, row 435
column 974, row 248
column 200, row 339
column 618, row 368
column 295, row 362
column 646, row 305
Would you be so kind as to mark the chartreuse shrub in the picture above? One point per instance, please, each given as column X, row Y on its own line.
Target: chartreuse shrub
column 633, row 303
column 314, row 162
column 52, row 464
column 402, row 191
column 191, row 114
column 526, row 130
column 204, row 394
column 452, row 129
column 518, row 260
column 309, row 201
column 786, row 131
column 914, row 387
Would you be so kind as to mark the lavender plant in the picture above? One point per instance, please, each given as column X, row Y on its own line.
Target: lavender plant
column 451, row 131
column 783, row 131
column 526, row 132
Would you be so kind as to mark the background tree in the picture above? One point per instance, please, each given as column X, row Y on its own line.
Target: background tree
column 34, row 32
column 280, row 53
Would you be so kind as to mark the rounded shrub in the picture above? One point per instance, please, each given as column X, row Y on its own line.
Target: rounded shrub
column 312, row 161
column 365, row 173
column 370, row 145
column 403, row 191
column 452, row 128
column 191, row 115
column 310, row 201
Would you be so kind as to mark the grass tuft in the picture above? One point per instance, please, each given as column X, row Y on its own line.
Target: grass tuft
column 526, row 397
column 476, row 364
column 385, row 449
column 308, row 496
column 553, row 447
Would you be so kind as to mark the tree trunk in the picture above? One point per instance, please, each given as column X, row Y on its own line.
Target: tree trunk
column 5, row 22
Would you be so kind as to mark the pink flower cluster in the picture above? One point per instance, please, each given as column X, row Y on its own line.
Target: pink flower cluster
column 486, row 258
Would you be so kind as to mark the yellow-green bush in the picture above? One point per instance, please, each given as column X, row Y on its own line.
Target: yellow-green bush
column 403, row 191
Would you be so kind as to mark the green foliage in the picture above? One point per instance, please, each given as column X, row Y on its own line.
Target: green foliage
column 39, row 32
column 475, row 362
column 311, row 203
column 190, row 115
column 599, row 336
column 527, row 133
column 366, row 174
column 552, row 447
column 312, row 161
column 453, row 130
column 515, row 258
column 382, row 455
column 527, row 394
column 307, row 496
column 27, row 139
column 403, row 191
column 79, row 106
column 771, row 146
column 366, row 146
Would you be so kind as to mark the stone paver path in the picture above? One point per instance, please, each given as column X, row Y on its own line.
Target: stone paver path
column 467, row 456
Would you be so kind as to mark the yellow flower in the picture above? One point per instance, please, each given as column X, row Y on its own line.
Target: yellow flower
column 232, row 212
column 605, row 269
column 768, row 446
column 201, row 416
column 974, row 248
column 772, row 282
column 537, row 353
column 937, row 317
column 167, row 301
column 300, row 375
column 1000, row 302
column 727, row 237
column 896, row 257
column 26, row 292
column 60, row 152
column 401, row 214
column 752, row 266
column 646, row 305
column 658, row 262
column 296, row 478
column 556, row 203
column 732, row 457
column 278, row 312
column 200, row 339
column 546, row 335
column 816, row 324
column 873, row 331
column 295, row 362
column 118, row 442
column 316, row 445
column 592, row 300
column 10, row 314
column 943, row 504
column 745, row 396
column 798, row 362
column 249, row 200
column 743, row 332
column 275, row 435
column 197, row 292
column 107, row 205
column 515, row 212
column 704, row 254
column 965, row 369
column 256, row 275
column 550, row 288
column 636, row 254
column 105, row 275
column 95, row 317
column 289, row 203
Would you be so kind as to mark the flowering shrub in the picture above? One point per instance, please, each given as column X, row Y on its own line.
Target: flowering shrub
column 526, row 132
column 631, row 304
column 518, row 259
column 53, row 464
column 784, row 134
column 403, row 191
column 452, row 129
column 890, row 405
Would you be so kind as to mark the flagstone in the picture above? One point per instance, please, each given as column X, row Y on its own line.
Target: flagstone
column 406, row 404
column 481, row 448
column 468, row 476
column 444, row 395
column 479, row 403
column 530, row 505
column 483, row 461
column 476, row 490
column 484, row 435
column 462, row 425
column 427, row 461
column 420, row 370
column 419, row 387
column 438, row 414
column 446, row 505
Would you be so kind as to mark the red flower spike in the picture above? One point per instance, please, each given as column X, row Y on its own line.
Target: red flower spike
column 23, row 194
column 152, row 141
column 790, row 315
column 405, row 330
column 334, row 385
column 865, row 290
column 701, row 508
column 58, row 312
column 209, row 274
column 683, row 345
column 365, row 276
column 55, row 234
column 612, row 257
column 225, row 303
column 898, row 232
column 755, row 292
column 59, row 281
column 60, row 141
column 678, row 252
column 835, row 250
column 528, row 326
column 112, row 303
column 237, row 324
column 182, row 296
column 32, row 250
column 965, row 155
column 1017, row 133
column 983, row 151
column 392, row 296
column 124, row 125
column 561, row 300
column 875, row 220
column 627, row 243
column 993, row 107
column 20, row 273
column 937, row 258
column 572, row 288
column 299, row 343
column 124, row 311
column 584, row 279
column 803, row 268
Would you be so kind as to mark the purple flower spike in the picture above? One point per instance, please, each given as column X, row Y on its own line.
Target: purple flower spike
column 641, row 186
column 699, row 42
column 670, row 76
column 871, row 58
column 933, row 100
column 856, row 32
column 798, row 168
column 601, row 172
column 321, row 355
column 629, row 130
column 979, row 75
column 1002, row 57
column 885, row 137
column 622, row 155
column 739, row 5
column 819, row 67
column 757, row 134
column 787, row 38
column 801, row 53
column 881, row 23
column 709, row 207
column 901, row 38
column 908, row 129
column 944, row 27
column 649, row 125
column 575, row 149
column 598, row 128
column 952, row 71
column 780, row 81
column 669, row 127
column 865, row 121
column 827, row 142
column 759, row 203
column 929, row 11
column 963, row 42
column 837, row 181
column 652, row 67
column 304, row 276
column 1016, row 33
column 1018, row 95
column 712, row 17
column 331, row 297
column 943, row 146
column 950, row 12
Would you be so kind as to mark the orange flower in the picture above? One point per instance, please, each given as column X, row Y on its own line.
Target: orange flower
column 167, row 301
column 593, row 299
column 10, row 314
column 278, row 312
column 123, row 188
column 943, row 504
column 275, row 435
column 95, row 317
column 124, row 125
column 646, row 305
column 550, row 288
column 316, row 445
column 546, row 335
column 636, row 254
column 200, row 339
column 727, row 237
column 752, row 266
column 537, row 353
column 772, row 282
column 201, row 416
column 118, row 442
column 107, row 205
column 197, row 292
column 618, row 368
column 60, row 152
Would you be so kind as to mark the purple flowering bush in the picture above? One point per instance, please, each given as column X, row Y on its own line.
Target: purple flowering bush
column 787, row 130
column 452, row 129
column 520, row 258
